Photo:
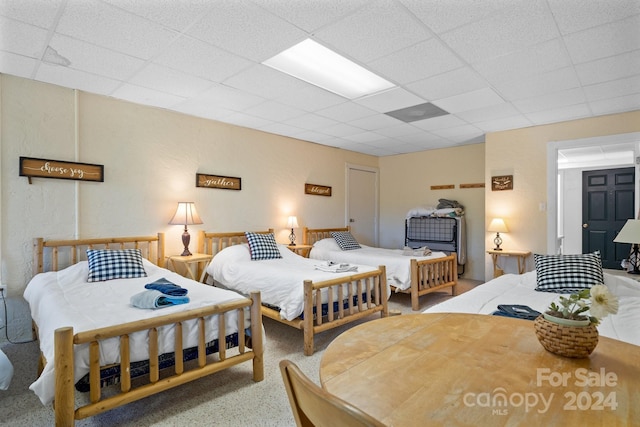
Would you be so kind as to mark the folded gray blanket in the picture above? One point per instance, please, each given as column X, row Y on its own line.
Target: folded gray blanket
column 156, row 299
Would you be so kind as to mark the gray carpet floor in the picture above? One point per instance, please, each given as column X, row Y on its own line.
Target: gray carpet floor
column 228, row 398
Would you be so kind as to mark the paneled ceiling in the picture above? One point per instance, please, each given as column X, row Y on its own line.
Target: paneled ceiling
column 491, row 64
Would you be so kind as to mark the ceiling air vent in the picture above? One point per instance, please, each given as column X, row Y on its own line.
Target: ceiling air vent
column 417, row 112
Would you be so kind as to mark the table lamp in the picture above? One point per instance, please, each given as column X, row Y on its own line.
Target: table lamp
column 292, row 222
column 498, row 225
column 186, row 214
column 630, row 233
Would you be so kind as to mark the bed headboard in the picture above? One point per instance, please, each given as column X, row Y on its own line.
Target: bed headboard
column 47, row 254
column 312, row 235
column 212, row 243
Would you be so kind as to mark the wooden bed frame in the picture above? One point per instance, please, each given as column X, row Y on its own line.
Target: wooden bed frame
column 427, row 276
column 249, row 348
column 373, row 283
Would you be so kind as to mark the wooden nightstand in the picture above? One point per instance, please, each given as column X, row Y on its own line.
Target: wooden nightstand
column 520, row 255
column 187, row 270
column 302, row 250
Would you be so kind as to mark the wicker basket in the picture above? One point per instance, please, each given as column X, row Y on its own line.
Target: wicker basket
column 568, row 341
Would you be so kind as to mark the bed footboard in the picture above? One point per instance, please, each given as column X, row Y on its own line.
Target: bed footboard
column 65, row 411
column 432, row 275
column 347, row 299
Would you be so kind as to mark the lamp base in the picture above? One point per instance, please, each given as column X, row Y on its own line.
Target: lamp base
column 292, row 238
column 186, row 238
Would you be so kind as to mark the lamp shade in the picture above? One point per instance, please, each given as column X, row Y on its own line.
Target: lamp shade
column 630, row 233
column 292, row 222
column 186, row 214
column 498, row 225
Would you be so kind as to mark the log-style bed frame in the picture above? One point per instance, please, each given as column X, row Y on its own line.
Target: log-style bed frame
column 427, row 276
column 152, row 248
column 372, row 284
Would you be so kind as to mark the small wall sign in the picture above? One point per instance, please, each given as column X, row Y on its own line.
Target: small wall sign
column 45, row 168
column 504, row 182
column 317, row 190
column 216, row 181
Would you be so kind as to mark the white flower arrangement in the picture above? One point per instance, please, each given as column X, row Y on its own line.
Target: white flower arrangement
column 597, row 300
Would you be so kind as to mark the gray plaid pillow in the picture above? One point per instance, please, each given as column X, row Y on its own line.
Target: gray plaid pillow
column 345, row 240
column 568, row 273
column 108, row 264
column 262, row 246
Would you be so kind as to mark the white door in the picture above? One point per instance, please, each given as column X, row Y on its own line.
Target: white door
column 362, row 203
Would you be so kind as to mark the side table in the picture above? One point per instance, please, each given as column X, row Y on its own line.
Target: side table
column 302, row 250
column 520, row 255
column 199, row 260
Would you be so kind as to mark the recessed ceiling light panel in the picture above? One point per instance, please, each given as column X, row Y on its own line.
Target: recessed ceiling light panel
column 315, row 64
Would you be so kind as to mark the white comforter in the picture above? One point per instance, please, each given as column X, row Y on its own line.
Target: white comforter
column 397, row 265
column 280, row 281
column 520, row 289
column 65, row 298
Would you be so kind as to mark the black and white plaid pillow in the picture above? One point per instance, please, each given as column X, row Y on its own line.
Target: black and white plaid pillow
column 262, row 246
column 345, row 240
column 568, row 273
column 107, row 264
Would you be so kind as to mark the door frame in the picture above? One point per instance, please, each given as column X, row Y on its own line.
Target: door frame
column 553, row 245
column 376, row 214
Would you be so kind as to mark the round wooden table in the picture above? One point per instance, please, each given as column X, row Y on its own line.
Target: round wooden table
column 477, row 370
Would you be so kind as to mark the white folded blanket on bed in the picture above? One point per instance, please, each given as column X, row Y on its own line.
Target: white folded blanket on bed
column 422, row 251
column 333, row 267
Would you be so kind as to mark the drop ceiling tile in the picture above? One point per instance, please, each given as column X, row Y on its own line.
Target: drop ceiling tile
column 243, row 28
column 311, row 122
column 492, row 112
column 514, row 122
column 204, row 110
column 390, row 100
column 553, row 100
column 22, row 39
column 17, row 65
column 95, row 59
column 397, row 131
column 310, row 98
column 605, row 40
column 107, row 26
column 417, row 62
column 470, row 101
column 341, row 130
column 41, row 13
column 265, row 81
column 312, row 136
column 365, row 137
column 459, row 133
column 144, row 96
column 281, row 129
column 271, row 110
column 375, row 122
column 613, row 89
column 448, row 84
column 616, row 105
column 443, row 15
column 538, row 85
column 509, row 30
column 602, row 70
column 441, row 122
column 220, row 96
column 177, row 15
column 201, row 59
column 559, row 114
column 246, row 120
column 364, row 36
column 76, row 79
column 311, row 15
column 572, row 16
column 168, row 80
column 346, row 111
column 538, row 59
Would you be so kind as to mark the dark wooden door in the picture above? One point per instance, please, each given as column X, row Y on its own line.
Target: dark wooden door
column 607, row 203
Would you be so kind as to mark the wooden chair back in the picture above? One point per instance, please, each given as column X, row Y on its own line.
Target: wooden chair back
column 313, row 406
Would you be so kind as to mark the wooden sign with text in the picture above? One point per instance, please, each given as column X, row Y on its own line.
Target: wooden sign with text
column 504, row 182
column 44, row 168
column 317, row 190
column 215, row 181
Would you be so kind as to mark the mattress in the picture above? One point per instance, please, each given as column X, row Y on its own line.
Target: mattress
column 520, row 289
column 65, row 298
column 280, row 281
column 398, row 266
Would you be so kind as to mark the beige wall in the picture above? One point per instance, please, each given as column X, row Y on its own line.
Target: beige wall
column 523, row 154
column 405, row 183
column 150, row 159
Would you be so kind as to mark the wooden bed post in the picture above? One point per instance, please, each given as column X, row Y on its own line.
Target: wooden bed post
column 308, row 318
column 160, row 250
column 65, row 396
column 38, row 255
column 256, row 336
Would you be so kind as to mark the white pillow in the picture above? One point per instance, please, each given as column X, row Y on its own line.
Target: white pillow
column 235, row 253
column 329, row 244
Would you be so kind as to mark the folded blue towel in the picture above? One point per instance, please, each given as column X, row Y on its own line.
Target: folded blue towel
column 155, row 299
column 167, row 287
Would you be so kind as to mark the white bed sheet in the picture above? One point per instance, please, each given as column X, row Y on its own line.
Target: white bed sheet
column 520, row 289
column 280, row 281
column 65, row 298
column 398, row 266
